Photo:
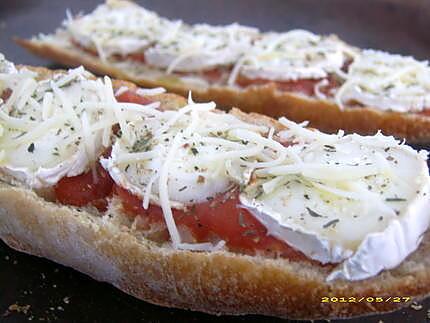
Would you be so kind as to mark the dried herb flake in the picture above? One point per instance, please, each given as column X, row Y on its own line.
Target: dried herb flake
column 313, row 213
column 331, row 223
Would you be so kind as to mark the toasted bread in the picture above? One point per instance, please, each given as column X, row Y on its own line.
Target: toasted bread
column 107, row 247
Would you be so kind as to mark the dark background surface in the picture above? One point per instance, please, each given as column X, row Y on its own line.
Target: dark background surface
column 59, row 294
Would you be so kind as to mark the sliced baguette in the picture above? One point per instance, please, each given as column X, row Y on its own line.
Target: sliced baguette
column 323, row 115
column 108, row 248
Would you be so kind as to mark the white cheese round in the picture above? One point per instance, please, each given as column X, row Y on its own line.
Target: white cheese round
column 118, row 28
column 54, row 127
column 179, row 158
column 201, row 47
column 197, row 170
column 348, row 198
column 387, row 82
column 294, row 55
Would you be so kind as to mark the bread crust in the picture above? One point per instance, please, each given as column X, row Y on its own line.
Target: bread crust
column 213, row 282
column 323, row 115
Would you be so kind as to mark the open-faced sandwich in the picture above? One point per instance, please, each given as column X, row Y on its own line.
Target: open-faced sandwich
column 184, row 205
column 295, row 74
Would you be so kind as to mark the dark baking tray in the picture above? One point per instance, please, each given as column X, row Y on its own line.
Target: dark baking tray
column 60, row 294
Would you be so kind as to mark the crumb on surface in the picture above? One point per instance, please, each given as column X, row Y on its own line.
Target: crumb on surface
column 16, row 308
column 415, row 306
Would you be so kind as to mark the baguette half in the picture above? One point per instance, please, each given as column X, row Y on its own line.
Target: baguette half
column 108, row 248
column 265, row 99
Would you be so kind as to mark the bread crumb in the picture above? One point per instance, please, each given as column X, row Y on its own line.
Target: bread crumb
column 19, row 309
column 415, row 306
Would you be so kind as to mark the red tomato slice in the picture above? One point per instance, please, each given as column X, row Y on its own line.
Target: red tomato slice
column 213, row 75
column 425, row 112
column 83, row 189
column 139, row 57
column 221, row 217
column 132, row 97
column 5, row 95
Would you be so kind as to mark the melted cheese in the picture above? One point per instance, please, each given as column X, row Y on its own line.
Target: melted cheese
column 387, row 82
column 294, row 55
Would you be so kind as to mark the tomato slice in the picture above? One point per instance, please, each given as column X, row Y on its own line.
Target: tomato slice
column 5, row 95
column 213, row 75
column 138, row 57
column 85, row 189
column 132, row 97
column 425, row 112
column 221, row 217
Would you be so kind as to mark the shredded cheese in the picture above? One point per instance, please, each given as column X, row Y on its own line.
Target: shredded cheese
column 58, row 126
column 294, row 55
column 141, row 42
column 387, row 82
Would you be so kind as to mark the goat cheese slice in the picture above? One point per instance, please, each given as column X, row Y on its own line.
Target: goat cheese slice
column 54, row 127
column 179, row 158
column 386, row 81
column 118, row 28
column 361, row 202
column 295, row 55
column 201, row 47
